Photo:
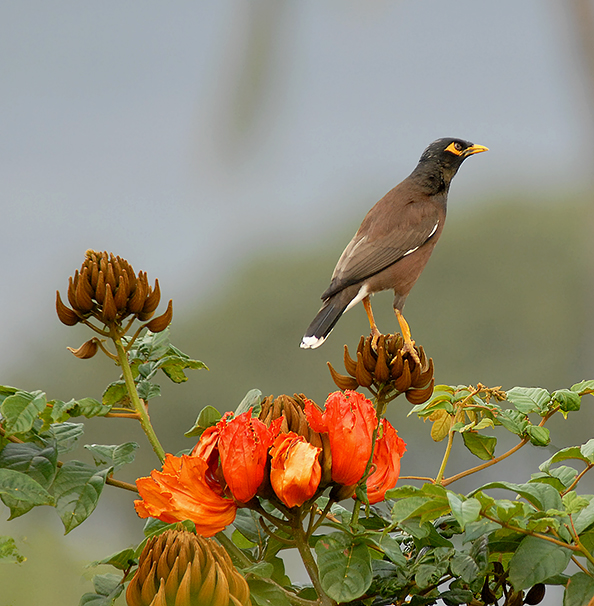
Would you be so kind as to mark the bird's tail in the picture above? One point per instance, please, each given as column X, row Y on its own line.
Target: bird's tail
column 326, row 319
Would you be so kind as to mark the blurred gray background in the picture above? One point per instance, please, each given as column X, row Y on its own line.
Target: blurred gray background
column 231, row 149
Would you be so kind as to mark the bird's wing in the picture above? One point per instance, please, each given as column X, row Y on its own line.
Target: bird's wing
column 378, row 245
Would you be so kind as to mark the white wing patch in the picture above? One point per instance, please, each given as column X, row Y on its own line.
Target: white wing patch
column 412, row 250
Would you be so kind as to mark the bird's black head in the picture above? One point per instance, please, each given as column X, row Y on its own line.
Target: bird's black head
column 442, row 159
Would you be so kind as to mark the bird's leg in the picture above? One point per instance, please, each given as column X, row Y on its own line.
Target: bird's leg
column 409, row 344
column 375, row 333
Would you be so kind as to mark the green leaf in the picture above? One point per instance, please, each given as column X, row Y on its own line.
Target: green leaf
column 66, row 435
column 479, row 445
column 265, row 594
column 567, row 399
column 115, row 456
column 174, row 366
column 252, row 399
column 542, row 496
column 453, row 597
column 107, row 589
column 21, row 409
column 21, row 487
column 584, row 518
column 583, row 387
column 246, row 522
column 539, row 436
column 463, row 566
column 480, row 528
column 465, row 511
column 86, row 407
column 116, row 393
column 208, row 417
column 9, row 553
column 39, row 463
column 344, row 565
column 122, row 560
column 5, row 391
column 262, row 570
column 579, row 590
column 529, row 399
column 389, row 546
column 147, row 390
column 535, row 561
column 514, row 421
column 572, row 452
column 77, row 489
column 573, row 503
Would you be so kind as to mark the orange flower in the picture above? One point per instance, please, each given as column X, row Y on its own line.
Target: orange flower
column 295, row 471
column 180, row 492
column 349, row 420
column 243, row 446
column 386, row 458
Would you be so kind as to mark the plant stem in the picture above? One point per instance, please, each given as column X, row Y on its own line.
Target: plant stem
column 310, row 564
column 145, row 421
column 446, row 456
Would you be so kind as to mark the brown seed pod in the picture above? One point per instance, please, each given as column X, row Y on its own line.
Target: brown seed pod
column 86, row 350
column 162, row 322
column 418, row 396
column 342, row 381
column 349, row 364
column 65, row 314
column 363, row 376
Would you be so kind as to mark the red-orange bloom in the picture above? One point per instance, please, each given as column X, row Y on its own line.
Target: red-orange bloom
column 349, row 420
column 386, row 458
column 295, row 471
column 243, row 447
column 180, row 492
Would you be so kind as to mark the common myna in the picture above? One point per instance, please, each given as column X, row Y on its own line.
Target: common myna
column 394, row 242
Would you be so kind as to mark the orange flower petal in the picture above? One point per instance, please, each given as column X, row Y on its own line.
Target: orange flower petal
column 295, row 471
column 389, row 448
column 349, row 420
column 243, row 446
column 181, row 492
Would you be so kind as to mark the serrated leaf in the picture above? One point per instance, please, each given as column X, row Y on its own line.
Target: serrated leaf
column 529, row 399
column 115, row 393
column 479, row 445
column 77, row 489
column 579, row 590
column 441, row 425
column 21, row 487
column 21, row 409
column 535, row 561
column 66, row 435
column 115, row 456
column 252, row 399
column 344, row 565
column 9, row 554
column 207, row 417
column 465, row 511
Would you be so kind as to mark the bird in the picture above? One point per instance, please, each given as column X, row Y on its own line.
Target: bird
column 393, row 243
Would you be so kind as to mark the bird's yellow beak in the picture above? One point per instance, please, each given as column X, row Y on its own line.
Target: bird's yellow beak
column 475, row 149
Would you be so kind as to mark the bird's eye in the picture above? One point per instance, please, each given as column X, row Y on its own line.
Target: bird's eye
column 458, row 146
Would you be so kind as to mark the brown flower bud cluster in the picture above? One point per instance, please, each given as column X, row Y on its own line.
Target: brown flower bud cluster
column 178, row 568
column 292, row 410
column 386, row 370
column 108, row 289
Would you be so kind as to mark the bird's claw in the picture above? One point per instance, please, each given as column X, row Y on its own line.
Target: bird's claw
column 409, row 348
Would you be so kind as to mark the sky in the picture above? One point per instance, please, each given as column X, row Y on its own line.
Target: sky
column 185, row 138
